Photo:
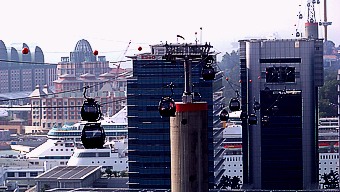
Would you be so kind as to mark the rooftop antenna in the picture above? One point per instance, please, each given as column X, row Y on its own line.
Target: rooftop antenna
column 325, row 23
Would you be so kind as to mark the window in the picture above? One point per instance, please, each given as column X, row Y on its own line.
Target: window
column 22, row 174
column 33, row 174
column 280, row 74
column 10, row 174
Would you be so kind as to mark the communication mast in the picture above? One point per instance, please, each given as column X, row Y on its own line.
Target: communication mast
column 325, row 23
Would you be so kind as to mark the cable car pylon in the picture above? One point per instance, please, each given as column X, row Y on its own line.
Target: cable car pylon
column 189, row 125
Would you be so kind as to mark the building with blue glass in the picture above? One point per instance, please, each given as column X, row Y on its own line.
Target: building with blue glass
column 149, row 133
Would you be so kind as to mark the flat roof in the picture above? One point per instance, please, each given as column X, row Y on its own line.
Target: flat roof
column 68, row 172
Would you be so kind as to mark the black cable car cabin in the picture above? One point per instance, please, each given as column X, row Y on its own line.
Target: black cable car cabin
column 252, row 119
column 90, row 111
column 224, row 115
column 234, row 104
column 167, row 107
column 208, row 72
column 93, row 136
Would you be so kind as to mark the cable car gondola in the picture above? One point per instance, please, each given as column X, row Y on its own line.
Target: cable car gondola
column 297, row 34
column 234, row 104
column 93, row 136
column 224, row 115
column 252, row 120
column 167, row 106
column 208, row 72
column 90, row 111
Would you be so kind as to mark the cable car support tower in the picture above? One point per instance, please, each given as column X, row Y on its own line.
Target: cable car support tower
column 311, row 26
column 188, row 123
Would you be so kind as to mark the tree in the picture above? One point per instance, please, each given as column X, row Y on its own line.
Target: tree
column 115, row 173
column 230, row 65
column 328, row 94
column 235, row 182
column 331, row 180
column 109, row 172
column 224, row 182
column 123, row 174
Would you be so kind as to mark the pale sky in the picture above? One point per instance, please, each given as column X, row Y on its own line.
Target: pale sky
column 109, row 25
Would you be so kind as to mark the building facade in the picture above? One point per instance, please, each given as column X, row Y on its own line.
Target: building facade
column 281, row 150
column 49, row 108
column 22, row 72
column 149, row 133
column 83, row 60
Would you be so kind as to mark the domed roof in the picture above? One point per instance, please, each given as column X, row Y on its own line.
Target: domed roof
column 83, row 46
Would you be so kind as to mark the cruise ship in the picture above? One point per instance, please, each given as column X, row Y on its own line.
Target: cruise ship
column 112, row 156
column 62, row 141
column 63, row 147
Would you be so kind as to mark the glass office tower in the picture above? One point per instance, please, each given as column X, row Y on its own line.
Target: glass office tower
column 149, row 133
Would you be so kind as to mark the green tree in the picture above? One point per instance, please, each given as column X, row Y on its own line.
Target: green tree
column 330, row 180
column 225, row 182
column 230, row 65
column 235, row 182
column 109, row 172
column 115, row 173
column 328, row 96
column 124, row 174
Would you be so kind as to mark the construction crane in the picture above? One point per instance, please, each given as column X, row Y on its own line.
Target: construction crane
column 120, row 60
column 118, row 65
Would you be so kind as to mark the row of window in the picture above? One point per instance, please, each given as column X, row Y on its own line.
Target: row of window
column 61, row 150
column 233, row 158
column 330, row 169
column 55, row 117
column 329, row 162
column 235, row 171
column 329, row 157
column 22, row 174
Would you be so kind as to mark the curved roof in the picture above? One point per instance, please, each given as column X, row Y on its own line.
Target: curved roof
column 3, row 50
column 83, row 46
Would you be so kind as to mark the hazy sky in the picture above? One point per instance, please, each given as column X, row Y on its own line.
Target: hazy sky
column 109, row 25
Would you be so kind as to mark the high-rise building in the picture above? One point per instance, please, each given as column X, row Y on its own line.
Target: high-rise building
column 83, row 60
column 22, row 72
column 149, row 133
column 281, row 150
